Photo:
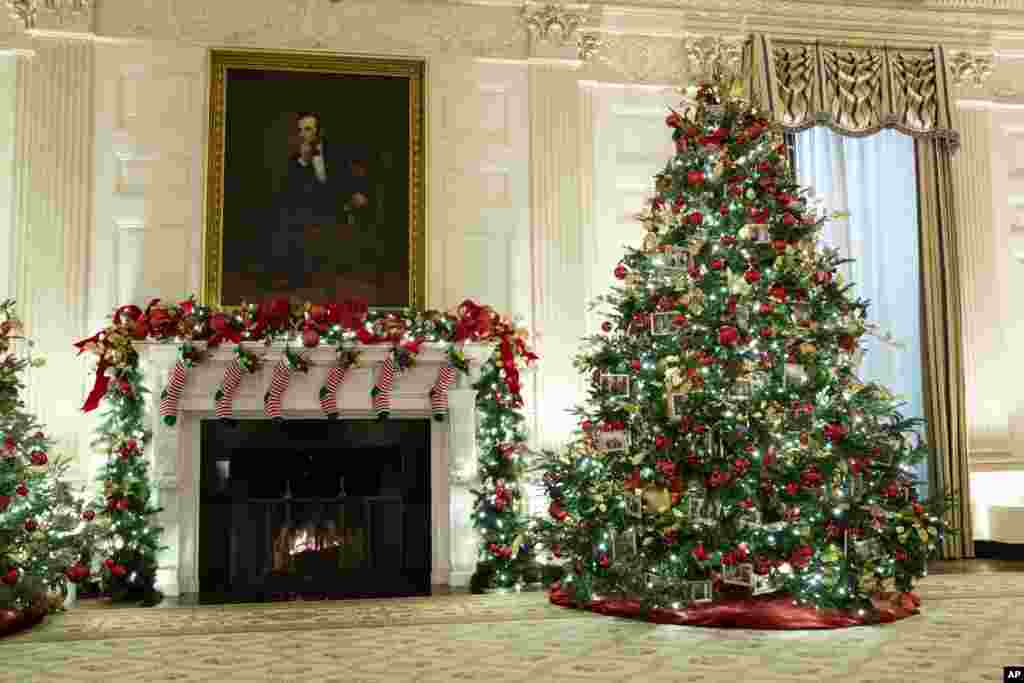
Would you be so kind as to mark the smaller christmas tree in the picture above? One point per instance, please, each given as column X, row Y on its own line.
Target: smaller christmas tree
column 43, row 529
column 129, row 539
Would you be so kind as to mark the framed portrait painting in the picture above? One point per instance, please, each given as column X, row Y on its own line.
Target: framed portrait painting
column 315, row 179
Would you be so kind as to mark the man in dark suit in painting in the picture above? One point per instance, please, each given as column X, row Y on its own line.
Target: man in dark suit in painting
column 324, row 187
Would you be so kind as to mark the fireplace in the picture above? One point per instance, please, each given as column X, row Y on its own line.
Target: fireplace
column 314, row 508
column 185, row 479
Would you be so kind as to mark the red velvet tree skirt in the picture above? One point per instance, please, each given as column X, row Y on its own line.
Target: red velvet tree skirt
column 769, row 612
column 12, row 621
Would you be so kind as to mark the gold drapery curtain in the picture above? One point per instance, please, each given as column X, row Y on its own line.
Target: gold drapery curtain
column 857, row 91
column 854, row 90
column 942, row 338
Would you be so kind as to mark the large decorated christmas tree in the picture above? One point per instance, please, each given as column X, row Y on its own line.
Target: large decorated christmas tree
column 728, row 446
column 44, row 532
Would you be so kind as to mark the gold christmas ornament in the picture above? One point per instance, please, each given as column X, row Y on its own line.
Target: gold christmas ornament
column 658, row 499
column 651, row 241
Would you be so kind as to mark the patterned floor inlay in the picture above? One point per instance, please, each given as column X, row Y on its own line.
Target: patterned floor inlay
column 970, row 627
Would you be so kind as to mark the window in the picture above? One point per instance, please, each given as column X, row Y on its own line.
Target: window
column 871, row 183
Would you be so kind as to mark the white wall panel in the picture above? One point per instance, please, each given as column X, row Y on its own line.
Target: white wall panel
column 631, row 145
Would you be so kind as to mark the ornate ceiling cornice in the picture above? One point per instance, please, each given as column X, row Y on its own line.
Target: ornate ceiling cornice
column 969, row 24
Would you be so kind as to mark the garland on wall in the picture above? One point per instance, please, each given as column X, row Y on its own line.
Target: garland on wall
column 124, row 509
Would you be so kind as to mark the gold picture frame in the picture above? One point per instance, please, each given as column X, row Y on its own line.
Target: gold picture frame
column 308, row 65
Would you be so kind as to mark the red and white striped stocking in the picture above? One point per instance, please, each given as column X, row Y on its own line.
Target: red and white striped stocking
column 225, row 396
column 278, row 385
column 329, row 391
column 382, row 388
column 439, row 392
column 171, row 394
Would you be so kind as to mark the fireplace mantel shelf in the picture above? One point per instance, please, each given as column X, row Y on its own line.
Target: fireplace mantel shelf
column 174, row 452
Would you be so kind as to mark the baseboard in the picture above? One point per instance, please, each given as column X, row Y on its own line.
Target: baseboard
column 994, row 550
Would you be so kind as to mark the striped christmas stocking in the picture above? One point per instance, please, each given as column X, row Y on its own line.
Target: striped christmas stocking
column 279, row 380
column 329, row 391
column 225, row 396
column 171, row 393
column 381, row 391
column 439, row 392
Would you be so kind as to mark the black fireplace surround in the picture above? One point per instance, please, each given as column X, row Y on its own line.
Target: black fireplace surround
column 314, row 509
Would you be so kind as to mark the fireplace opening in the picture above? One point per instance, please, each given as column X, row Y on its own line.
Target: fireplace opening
column 314, row 509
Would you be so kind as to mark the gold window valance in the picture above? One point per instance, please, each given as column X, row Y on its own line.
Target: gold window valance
column 854, row 90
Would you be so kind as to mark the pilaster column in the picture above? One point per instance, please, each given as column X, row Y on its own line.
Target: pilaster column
column 52, row 223
column 462, row 458
column 981, row 261
column 561, row 164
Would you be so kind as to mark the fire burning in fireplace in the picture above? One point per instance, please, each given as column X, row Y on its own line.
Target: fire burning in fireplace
column 326, row 541
column 307, row 540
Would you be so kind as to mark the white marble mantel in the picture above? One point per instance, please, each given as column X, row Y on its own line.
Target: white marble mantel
column 174, row 451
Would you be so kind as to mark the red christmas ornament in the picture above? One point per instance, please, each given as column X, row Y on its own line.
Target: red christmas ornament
column 777, row 292
column 699, row 553
column 667, row 468
column 31, row 525
column 11, row 577
column 121, row 504
column 696, row 218
column 679, row 320
column 724, row 210
column 119, row 570
column 310, row 337
column 5, row 502
column 661, row 442
column 823, row 277
column 88, row 515
column 76, row 572
column 779, row 245
column 38, row 458
column 792, row 488
column 21, row 489
column 717, row 264
column 635, row 364
column 606, row 326
column 834, row 431
column 556, row 511
column 728, row 335
column 759, row 216
column 752, row 276
column 9, row 445
column 586, row 425
column 620, row 272
column 901, row 555
column 766, row 308
column 695, row 177
column 108, row 563
column 789, row 219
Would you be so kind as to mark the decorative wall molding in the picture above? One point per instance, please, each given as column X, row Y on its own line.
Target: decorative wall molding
column 971, row 69
column 993, row 460
column 559, row 32
column 709, row 55
column 74, row 15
